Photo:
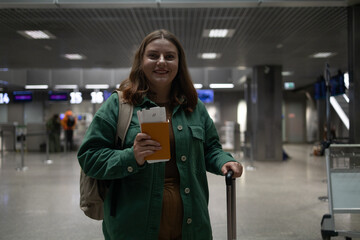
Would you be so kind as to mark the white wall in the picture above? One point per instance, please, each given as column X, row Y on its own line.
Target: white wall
column 3, row 113
column 34, row 112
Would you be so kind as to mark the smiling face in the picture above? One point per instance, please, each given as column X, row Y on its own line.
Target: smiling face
column 160, row 64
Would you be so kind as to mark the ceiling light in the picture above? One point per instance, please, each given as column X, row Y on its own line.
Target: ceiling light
column 37, row 34
column 66, row 86
column 322, row 55
column 215, row 33
column 241, row 68
column 97, row 86
column 209, row 55
column 198, row 85
column 221, row 85
column 218, row 33
column 36, row 86
column 74, row 56
column 286, row 73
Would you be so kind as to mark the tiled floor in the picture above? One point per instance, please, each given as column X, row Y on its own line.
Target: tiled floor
column 275, row 200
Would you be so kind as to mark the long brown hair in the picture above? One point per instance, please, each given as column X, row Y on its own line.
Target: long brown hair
column 136, row 86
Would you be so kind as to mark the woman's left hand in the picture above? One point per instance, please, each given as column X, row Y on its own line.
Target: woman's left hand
column 236, row 167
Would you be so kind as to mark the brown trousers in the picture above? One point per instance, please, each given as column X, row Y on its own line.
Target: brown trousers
column 172, row 211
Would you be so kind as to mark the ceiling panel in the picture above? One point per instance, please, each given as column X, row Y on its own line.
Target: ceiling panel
column 108, row 36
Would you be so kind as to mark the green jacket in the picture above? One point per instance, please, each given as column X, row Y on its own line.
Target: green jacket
column 139, row 189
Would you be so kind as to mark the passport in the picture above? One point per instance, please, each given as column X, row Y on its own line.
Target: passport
column 153, row 122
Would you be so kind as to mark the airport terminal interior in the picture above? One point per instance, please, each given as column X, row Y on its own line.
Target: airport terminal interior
column 280, row 80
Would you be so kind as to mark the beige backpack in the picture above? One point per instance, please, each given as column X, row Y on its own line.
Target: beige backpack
column 93, row 191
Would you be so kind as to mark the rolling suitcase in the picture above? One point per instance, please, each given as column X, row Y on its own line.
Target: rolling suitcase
column 231, row 205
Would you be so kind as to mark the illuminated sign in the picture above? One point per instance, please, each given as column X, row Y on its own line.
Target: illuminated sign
column 97, row 97
column 4, row 98
column 289, row 85
column 58, row 96
column 22, row 96
column 75, row 97
column 206, row 95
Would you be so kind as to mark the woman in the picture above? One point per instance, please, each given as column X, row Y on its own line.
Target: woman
column 159, row 200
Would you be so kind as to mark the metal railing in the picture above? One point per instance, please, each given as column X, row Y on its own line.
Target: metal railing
column 22, row 138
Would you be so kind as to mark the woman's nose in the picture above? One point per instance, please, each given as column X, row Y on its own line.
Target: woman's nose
column 161, row 59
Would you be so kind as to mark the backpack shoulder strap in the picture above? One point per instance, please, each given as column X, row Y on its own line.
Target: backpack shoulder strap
column 124, row 119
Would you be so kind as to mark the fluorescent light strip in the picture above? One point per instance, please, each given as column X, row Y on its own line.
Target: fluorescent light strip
column 66, row 86
column 241, row 67
column 37, row 34
column 344, row 118
column 286, row 73
column 322, row 55
column 97, row 86
column 346, row 98
column 221, row 85
column 198, row 85
column 36, row 86
column 218, row 33
column 209, row 55
column 74, row 56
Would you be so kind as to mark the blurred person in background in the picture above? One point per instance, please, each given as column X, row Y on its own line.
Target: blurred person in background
column 68, row 123
column 53, row 128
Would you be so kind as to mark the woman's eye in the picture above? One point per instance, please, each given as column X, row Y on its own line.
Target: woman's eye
column 170, row 57
column 153, row 56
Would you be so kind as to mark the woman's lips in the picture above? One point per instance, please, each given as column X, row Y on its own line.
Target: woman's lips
column 161, row 71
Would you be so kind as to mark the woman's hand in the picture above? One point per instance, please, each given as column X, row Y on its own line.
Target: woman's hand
column 143, row 147
column 236, row 167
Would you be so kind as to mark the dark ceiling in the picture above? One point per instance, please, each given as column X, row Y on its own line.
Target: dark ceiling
column 266, row 33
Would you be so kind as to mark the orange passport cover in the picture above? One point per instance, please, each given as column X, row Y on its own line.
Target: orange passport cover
column 159, row 131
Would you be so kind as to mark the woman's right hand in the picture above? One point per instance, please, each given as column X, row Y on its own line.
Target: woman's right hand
column 143, row 147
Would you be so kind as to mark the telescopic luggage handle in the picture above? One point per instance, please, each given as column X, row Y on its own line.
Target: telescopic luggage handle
column 231, row 205
column 229, row 177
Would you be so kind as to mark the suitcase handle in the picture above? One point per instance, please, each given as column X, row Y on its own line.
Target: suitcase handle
column 228, row 177
column 231, row 204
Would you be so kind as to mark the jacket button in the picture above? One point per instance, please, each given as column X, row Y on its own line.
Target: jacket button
column 183, row 158
column 130, row 169
column 179, row 127
column 187, row 190
column 189, row 221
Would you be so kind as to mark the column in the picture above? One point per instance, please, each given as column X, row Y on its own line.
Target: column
column 266, row 114
column 354, row 72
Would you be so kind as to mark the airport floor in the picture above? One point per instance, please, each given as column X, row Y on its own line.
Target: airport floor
column 275, row 200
